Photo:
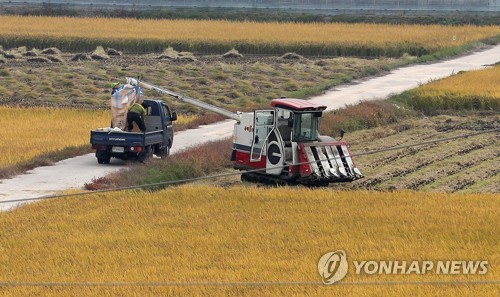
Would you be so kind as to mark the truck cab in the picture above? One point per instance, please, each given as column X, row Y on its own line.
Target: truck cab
column 158, row 138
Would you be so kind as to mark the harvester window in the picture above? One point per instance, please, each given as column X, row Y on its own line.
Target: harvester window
column 285, row 124
column 263, row 125
column 283, row 114
column 306, row 126
column 264, row 118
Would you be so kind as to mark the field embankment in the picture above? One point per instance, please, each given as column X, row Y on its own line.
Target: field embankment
column 191, row 163
column 212, row 36
column 193, row 234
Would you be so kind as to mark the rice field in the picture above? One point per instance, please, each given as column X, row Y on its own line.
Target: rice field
column 472, row 90
column 215, row 36
column 29, row 132
column 205, row 234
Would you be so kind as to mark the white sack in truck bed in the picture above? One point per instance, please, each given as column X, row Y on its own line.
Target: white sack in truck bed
column 120, row 102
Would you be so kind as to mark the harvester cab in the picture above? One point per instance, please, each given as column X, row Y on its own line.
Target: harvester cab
column 282, row 144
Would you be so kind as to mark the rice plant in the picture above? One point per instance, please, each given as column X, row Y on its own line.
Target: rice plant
column 204, row 234
column 211, row 36
column 472, row 90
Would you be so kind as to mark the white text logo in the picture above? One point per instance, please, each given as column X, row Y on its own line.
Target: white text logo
column 333, row 267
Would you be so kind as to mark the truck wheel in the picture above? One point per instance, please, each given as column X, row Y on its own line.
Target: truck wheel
column 103, row 160
column 164, row 152
column 146, row 154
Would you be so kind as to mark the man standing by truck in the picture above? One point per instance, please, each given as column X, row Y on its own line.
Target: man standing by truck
column 136, row 113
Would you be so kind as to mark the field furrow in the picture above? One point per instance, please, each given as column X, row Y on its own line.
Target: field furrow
column 449, row 166
column 402, row 166
column 423, row 167
column 489, row 184
column 464, row 179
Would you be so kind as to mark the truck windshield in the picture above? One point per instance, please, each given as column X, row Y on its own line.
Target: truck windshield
column 306, row 126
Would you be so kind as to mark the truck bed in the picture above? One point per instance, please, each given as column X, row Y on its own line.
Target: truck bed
column 125, row 138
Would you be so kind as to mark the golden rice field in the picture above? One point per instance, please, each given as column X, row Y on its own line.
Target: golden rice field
column 30, row 132
column 247, row 36
column 478, row 89
column 205, row 234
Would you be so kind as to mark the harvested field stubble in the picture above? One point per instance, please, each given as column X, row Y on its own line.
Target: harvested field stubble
column 462, row 165
column 245, row 84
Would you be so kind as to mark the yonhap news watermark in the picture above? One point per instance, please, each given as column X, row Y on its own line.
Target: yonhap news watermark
column 334, row 266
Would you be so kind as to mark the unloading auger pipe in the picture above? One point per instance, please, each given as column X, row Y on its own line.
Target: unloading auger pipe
column 184, row 98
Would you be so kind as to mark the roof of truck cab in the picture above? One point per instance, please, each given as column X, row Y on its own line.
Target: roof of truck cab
column 296, row 104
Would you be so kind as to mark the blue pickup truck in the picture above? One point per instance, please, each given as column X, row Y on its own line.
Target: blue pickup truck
column 157, row 140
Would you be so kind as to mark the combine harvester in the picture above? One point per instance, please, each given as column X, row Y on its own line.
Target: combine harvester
column 281, row 145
